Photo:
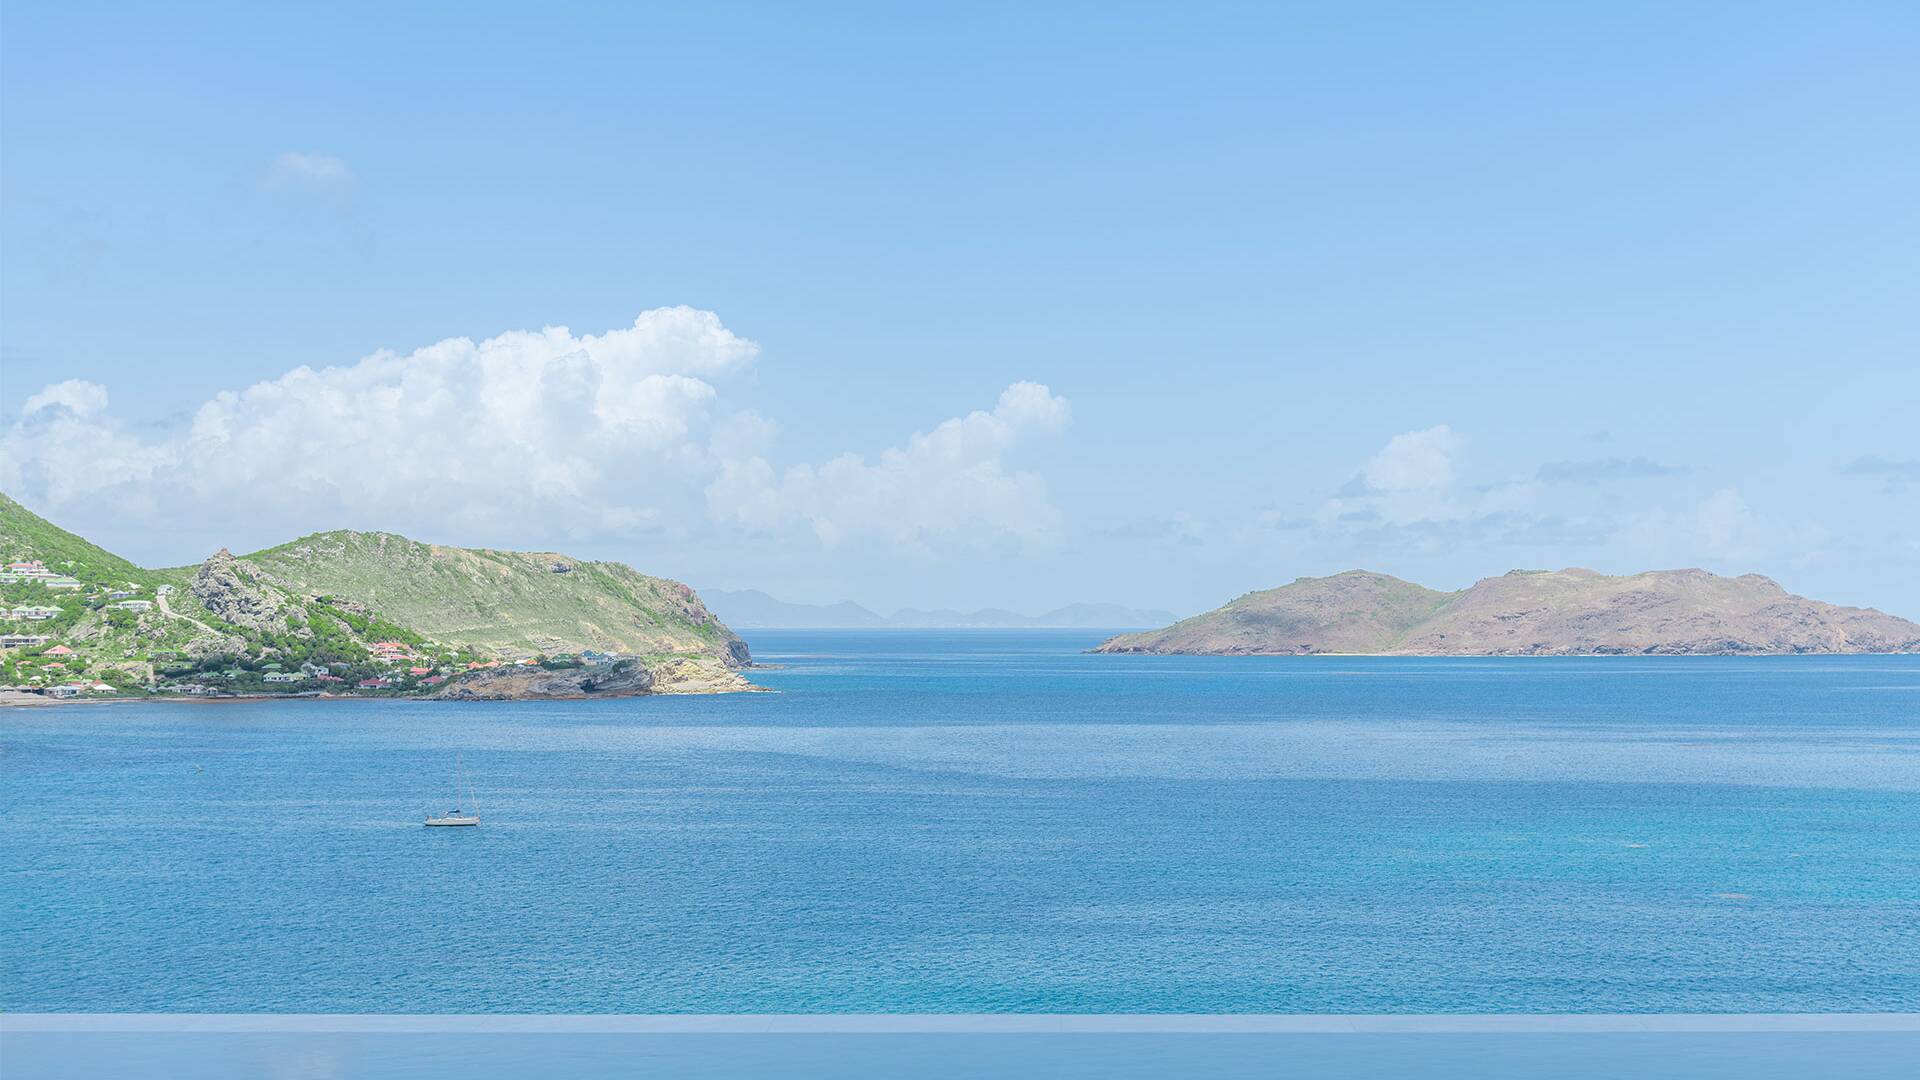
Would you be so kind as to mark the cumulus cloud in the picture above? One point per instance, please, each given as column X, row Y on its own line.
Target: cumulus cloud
column 296, row 170
column 1414, row 461
column 619, row 433
column 77, row 396
column 946, row 487
column 1411, row 478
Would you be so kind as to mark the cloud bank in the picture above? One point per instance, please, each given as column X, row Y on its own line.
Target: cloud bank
column 946, row 485
column 623, row 433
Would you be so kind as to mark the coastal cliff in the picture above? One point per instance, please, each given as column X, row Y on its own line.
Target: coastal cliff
column 1572, row 612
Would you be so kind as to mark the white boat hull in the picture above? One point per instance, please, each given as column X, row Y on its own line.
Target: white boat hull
column 451, row 820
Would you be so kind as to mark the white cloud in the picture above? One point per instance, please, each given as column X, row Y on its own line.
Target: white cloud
column 534, row 432
column 78, row 396
column 1415, row 461
column 948, row 487
column 315, row 172
column 1413, row 478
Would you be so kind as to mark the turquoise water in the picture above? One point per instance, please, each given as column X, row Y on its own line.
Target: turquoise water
column 992, row 821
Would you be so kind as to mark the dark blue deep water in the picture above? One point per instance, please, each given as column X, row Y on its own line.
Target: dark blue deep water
column 987, row 821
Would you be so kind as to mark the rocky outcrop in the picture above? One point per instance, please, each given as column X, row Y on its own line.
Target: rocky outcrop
column 519, row 682
column 236, row 591
column 1572, row 612
column 685, row 675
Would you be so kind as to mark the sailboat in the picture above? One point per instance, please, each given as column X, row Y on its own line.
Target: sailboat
column 455, row 816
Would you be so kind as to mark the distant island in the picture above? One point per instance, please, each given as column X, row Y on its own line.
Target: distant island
column 1570, row 612
column 751, row 609
column 346, row 613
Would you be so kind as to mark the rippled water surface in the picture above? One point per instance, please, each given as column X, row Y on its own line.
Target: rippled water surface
column 987, row 821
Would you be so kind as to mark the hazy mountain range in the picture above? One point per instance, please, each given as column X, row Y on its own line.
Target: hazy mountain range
column 751, row 609
column 1531, row 613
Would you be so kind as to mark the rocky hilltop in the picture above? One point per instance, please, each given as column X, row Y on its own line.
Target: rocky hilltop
column 240, row 593
column 1570, row 612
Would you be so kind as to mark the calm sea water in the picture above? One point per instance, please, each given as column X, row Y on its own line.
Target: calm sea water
column 992, row 821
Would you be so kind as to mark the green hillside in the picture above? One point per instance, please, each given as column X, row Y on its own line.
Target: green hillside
column 334, row 612
column 25, row 535
column 506, row 602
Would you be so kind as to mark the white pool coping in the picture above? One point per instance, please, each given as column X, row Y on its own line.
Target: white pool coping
column 960, row 1023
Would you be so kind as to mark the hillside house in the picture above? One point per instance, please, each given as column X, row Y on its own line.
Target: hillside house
column 61, row 583
column 133, row 605
column 282, row 677
column 35, row 614
column 59, row 650
column 22, row 641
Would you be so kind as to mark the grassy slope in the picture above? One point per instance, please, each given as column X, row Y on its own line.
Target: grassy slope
column 110, row 645
column 25, row 535
column 503, row 600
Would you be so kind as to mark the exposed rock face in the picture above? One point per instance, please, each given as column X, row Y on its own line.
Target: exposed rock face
column 621, row 678
column 1531, row 613
column 238, row 592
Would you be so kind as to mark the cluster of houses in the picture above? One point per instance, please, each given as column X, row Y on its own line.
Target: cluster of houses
column 35, row 570
column 64, row 691
column 54, row 666
column 32, row 613
column 390, row 652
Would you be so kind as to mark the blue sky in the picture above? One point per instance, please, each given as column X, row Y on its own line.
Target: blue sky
column 1000, row 306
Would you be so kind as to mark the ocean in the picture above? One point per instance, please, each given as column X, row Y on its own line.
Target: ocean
column 991, row 821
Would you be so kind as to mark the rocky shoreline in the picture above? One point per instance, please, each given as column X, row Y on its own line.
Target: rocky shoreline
column 621, row 677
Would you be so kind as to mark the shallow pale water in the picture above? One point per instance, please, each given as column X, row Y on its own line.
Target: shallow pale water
column 992, row 821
